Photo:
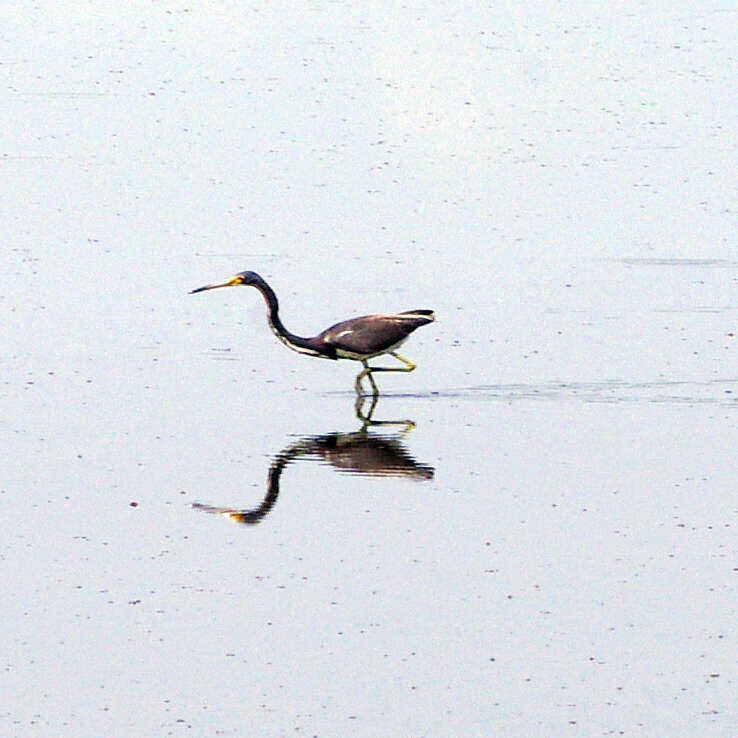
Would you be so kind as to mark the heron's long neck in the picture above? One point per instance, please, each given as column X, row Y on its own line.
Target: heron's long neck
column 296, row 343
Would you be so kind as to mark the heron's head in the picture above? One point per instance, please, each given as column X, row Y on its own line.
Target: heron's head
column 247, row 278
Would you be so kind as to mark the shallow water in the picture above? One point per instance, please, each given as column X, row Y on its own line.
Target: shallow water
column 534, row 535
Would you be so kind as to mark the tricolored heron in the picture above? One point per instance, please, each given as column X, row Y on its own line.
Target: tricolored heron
column 359, row 339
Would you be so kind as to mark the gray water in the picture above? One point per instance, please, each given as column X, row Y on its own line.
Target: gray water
column 539, row 540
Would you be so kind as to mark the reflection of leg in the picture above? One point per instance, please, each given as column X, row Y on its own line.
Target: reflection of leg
column 366, row 420
column 359, row 407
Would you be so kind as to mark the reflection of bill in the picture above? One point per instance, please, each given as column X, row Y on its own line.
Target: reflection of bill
column 361, row 452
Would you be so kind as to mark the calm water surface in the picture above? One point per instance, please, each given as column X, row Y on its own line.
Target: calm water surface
column 204, row 537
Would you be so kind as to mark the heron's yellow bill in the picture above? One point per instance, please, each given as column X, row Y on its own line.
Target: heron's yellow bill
column 230, row 282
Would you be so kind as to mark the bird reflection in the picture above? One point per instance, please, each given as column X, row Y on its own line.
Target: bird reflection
column 361, row 452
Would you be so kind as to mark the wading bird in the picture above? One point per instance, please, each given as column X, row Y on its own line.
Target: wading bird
column 359, row 339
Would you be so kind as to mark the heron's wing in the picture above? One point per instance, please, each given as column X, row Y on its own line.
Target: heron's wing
column 374, row 333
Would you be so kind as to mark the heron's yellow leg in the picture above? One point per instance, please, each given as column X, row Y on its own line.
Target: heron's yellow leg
column 409, row 365
column 367, row 372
